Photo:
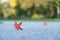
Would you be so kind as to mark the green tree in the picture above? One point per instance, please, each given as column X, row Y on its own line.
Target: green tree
column 31, row 10
column 41, row 10
column 1, row 14
column 20, row 11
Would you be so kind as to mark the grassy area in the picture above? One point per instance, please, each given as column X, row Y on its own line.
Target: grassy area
column 0, row 21
column 28, row 19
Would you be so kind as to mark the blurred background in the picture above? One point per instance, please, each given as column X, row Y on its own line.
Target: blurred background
column 31, row 9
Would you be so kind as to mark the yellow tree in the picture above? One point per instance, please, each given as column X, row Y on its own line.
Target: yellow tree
column 1, row 15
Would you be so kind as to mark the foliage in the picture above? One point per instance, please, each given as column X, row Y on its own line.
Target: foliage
column 41, row 10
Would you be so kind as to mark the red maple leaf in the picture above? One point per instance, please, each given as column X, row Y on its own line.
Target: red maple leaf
column 45, row 23
column 18, row 26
